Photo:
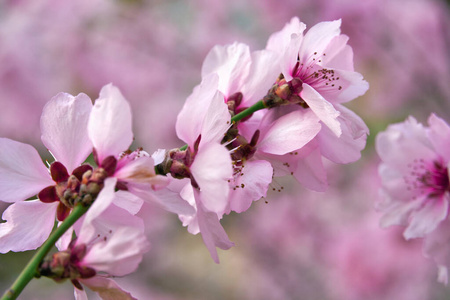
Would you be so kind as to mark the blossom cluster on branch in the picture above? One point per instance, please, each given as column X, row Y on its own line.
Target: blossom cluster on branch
column 255, row 115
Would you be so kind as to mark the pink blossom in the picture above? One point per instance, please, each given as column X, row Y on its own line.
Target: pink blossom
column 22, row 174
column 110, row 130
column 110, row 242
column 414, row 172
column 206, row 162
column 244, row 78
column 306, row 163
column 318, row 67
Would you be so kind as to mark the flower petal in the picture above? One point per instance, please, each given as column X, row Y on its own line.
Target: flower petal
column 197, row 104
column 168, row 198
column 407, row 137
column 346, row 148
column 251, row 186
column 211, row 170
column 231, row 63
column 322, row 108
column 64, row 128
column 439, row 135
column 286, row 43
column 28, row 225
column 317, row 39
column 103, row 201
column 128, row 201
column 106, row 288
column 427, row 218
column 109, row 126
column 22, row 173
column 212, row 231
column 310, row 171
column 121, row 245
column 290, row 132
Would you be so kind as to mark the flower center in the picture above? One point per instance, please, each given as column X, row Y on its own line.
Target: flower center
column 82, row 186
column 430, row 178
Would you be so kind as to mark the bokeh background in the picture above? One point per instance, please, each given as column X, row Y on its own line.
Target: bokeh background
column 296, row 244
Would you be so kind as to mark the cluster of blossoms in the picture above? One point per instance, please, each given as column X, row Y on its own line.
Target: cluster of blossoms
column 415, row 184
column 254, row 116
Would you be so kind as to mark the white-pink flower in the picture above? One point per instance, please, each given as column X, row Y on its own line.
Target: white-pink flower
column 23, row 175
column 317, row 69
column 202, row 124
column 414, row 173
column 110, row 242
column 110, row 130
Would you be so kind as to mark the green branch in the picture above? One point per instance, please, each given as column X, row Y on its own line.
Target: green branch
column 29, row 271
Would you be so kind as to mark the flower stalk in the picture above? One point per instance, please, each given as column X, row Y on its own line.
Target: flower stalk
column 30, row 270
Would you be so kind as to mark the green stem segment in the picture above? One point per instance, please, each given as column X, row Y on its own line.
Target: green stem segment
column 245, row 113
column 30, row 270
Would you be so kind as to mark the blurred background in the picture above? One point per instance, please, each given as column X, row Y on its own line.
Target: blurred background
column 296, row 244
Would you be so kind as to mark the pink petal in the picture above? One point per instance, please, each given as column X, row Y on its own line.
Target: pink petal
column 317, row 39
column 311, row 173
column 231, row 63
column 216, row 122
column 408, row 137
column 168, row 198
column 28, row 225
column 212, row 231
column 281, row 40
column 121, row 243
column 141, row 170
column 103, row 201
column 290, row 132
column 109, row 126
column 197, row 104
column 339, row 55
column 437, row 244
column 128, row 201
column 395, row 212
column 439, row 135
column 64, row 128
column 322, row 108
column 286, row 43
column 106, row 288
column 79, row 294
column 22, row 172
column 427, row 218
column 211, row 169
column 251, row 186
column 349, row 86
column 263, row 73
column 346, row 148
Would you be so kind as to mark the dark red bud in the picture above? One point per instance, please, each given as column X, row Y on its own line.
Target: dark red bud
column 48, row 195
column 78, row 172
column 197, row 142
column 77, row 284
column 236, row 98
column 255, row 138
column 58, row 172
column 86, row 272
column 62, row 212
column 296, row 85
column 77, row 253
column 109, row 164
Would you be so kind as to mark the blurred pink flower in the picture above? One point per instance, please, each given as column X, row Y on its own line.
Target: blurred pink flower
column 414, row 172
